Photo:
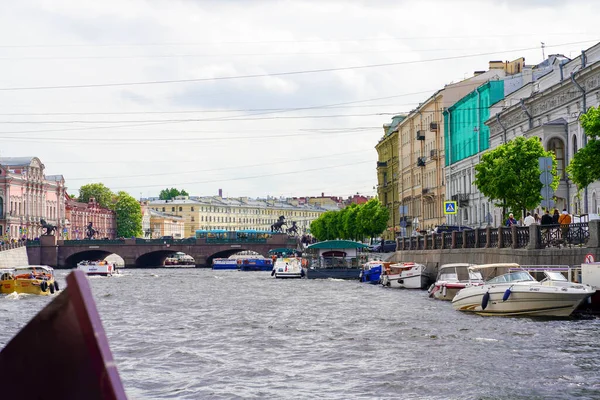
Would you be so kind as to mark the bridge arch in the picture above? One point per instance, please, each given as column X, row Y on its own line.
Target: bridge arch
column 94, row 254
column 154, row 258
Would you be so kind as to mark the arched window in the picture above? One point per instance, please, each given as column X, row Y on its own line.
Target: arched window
column 1, row 207
column 574, row 144
column 557, row 146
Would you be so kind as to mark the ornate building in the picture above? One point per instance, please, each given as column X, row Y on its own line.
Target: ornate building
column 28, row 196
column 79, row 215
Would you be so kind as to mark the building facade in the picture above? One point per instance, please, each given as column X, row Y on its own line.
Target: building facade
column 162, row 224
column 421, row 154
column 79, row 215
column 549, row 108
column 236, row 213
column 387, row 176
column 28, row 196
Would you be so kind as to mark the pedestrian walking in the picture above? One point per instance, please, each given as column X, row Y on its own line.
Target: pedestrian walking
column 564, row 220
column 555, row 217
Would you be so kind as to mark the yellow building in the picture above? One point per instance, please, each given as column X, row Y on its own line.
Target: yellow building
column 421, row 185
column 237, row 213
column 387, row 175
column 162, row 224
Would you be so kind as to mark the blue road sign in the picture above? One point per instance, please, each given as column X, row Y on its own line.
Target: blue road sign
column 450, row 207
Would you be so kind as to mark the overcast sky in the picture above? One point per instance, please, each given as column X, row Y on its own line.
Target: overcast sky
column 241, row 109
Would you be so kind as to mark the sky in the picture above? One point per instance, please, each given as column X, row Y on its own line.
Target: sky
column 257, row 98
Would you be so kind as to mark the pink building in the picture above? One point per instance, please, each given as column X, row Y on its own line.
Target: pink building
column 27, row 196
column 79, row 215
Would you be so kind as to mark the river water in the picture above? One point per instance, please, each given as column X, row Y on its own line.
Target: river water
column 203, row 334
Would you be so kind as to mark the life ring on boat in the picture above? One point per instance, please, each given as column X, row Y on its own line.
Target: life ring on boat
column 56, row 286
column 44, row 286
column 239, row 262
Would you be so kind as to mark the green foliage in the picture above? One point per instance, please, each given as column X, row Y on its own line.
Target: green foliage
column 510, row 173
column 103, row 195
column 168, row 194
column 352, row 223
column 129, row 216
column 584, row 168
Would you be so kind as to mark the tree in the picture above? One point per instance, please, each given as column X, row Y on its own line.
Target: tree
column 584, row 168
column 510, row 174
column 372, row 218
column 129, row 216
column 348, row 218
column 168, row 194
column 103, row 195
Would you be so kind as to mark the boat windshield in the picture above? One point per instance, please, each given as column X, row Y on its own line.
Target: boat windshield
column 518, row 276
column 475, row 276
column 555, row 276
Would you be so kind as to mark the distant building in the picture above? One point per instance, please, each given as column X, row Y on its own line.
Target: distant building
column 236, row 213
column 163, row 224
column 27, row 196
column 79, row 215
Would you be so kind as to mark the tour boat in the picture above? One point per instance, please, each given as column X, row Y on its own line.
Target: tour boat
column 372, row 271
column 65, row 348
column 224, row 263
column 31, row 279
column 517, row 293
column 180, row 259
column 288, row 267
column 335, row 259
column 406, row 275
column 98, row 268
column 453, row 277
column 255, row 263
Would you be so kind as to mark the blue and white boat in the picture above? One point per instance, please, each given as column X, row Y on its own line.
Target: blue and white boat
column 372, row 270
column 224, row 263
column 255, row 263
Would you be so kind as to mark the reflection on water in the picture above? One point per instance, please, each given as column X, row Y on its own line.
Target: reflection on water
column 198, row 333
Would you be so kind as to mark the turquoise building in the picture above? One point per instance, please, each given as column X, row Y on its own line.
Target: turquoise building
column 465, row 133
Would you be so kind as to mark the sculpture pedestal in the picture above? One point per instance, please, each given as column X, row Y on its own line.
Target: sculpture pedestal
column 48, row 240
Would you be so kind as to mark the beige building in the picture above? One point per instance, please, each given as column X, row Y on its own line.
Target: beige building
column 236, row 214
column 421, row 154
column 162, row 224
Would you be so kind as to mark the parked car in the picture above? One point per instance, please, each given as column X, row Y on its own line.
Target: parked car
column 388, row 246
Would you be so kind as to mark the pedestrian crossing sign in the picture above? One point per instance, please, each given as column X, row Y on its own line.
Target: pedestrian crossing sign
column 450, row 207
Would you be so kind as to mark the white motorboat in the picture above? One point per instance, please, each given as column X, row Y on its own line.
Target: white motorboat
column 453, row 277
column 517, row 293
column 288, row 267
column 407, row 275
column 100, row 268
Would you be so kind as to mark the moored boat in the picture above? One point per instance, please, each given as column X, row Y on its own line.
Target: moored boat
column 288, row 267
column 372, row 271
column 180, row 259
column 406, row 275
column 97, row 268
column 224, row 263
column 453, row 277
column 31, row 279
column 255, row 263
column 517, row 293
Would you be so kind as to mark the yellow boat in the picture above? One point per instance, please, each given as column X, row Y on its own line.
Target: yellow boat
column 31, row 279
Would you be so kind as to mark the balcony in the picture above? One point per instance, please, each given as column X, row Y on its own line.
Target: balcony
column 420, row 135
column 433, row 127
column 382, row 164
column 427, row 190
column 434, row 154
column 421, row 161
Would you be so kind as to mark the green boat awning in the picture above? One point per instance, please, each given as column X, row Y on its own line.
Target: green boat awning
column 338, row 244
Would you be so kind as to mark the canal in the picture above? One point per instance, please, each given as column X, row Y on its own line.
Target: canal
column 198, row 333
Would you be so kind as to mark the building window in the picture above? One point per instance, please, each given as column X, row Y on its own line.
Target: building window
column 172, row 209
column 558, row 148
column 192, row 208
column 163, row 209
column 180, row 208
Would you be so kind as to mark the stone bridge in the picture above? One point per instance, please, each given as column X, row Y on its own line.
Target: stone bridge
column 146, row 252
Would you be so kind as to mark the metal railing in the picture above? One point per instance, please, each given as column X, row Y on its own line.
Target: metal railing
column 571, row 235
column 522, row 236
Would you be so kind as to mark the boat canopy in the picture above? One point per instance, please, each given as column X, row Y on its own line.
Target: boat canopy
column 337, row 244
column 497, row 265
column 32, row 267
column 283, row 250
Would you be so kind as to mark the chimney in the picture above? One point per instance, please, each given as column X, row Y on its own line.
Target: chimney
column 221, row 193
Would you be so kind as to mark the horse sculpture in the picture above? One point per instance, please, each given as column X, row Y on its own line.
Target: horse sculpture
column 292, row 230
column 50, row 229
column 90, row 232
column 278, row 226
